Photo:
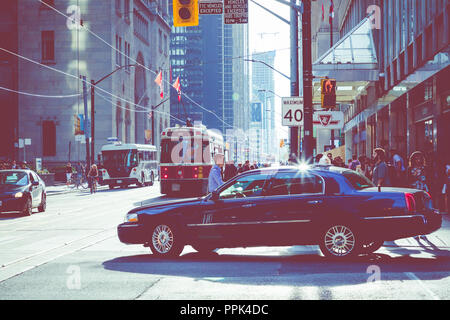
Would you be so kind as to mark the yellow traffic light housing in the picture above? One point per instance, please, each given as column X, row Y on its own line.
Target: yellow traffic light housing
column 185, row 13
column 328, row 88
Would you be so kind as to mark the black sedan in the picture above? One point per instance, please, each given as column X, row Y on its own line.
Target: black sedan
column 21, row 190
column 335, row 208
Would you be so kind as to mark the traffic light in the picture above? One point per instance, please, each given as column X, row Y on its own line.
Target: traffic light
column 328, row 87
column 78, row 125
column 185, row 13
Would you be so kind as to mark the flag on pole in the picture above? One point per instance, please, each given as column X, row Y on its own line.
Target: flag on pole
column 331, row 12
column 323, row 12
column 158, row 81
column 177, row 87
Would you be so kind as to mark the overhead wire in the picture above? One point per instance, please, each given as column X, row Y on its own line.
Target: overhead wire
column 133, row 60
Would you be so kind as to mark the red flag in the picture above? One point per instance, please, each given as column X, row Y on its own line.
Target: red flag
column 331, row 12
column 158, row 81
column 323, row 12
column 177, row 87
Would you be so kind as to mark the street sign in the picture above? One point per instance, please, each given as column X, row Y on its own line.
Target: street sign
column 292, row 111
column 27, row 141
column 210, row 7
column 235, row 11
column 328, row 119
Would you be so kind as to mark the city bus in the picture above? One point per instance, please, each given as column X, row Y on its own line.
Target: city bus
column 187, row 156
column 127, row 164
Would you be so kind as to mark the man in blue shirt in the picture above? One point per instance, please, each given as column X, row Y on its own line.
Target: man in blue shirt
column 215, row 175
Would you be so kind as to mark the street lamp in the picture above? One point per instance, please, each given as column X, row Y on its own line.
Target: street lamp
column 93, row 84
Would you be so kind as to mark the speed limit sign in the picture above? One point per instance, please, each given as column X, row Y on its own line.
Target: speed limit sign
column 292, row 111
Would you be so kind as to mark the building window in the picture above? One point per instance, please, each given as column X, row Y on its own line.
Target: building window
column 127, row 11
column 118, row 50
column 127, row 56
column 48, row 138
column 141, row 27
column 48, row 46
column 119, row 7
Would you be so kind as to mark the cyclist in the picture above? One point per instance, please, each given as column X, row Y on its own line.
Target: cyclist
column 93, row 176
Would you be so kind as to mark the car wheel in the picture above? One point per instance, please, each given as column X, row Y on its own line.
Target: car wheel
column 166, row 241
column 27, row 207
column 371, row 247
column 339, row 241
column 43, row 204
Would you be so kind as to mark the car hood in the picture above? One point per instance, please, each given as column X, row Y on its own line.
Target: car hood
column 9, row 189
column 168, row 204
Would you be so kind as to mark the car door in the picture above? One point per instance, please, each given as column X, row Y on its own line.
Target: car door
column 34, row 190
column 293, row 200
column 234, row 216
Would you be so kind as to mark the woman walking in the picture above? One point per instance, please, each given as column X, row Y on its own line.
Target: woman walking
column 417, row 176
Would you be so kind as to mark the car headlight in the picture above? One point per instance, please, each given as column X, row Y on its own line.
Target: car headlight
column 131, row 217
column 18, row 195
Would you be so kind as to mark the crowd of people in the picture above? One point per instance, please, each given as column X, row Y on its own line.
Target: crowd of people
column 12, row 164
column 421, row 171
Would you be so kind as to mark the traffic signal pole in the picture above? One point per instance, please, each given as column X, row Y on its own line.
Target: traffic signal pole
column 308, row 147
column 294, row 131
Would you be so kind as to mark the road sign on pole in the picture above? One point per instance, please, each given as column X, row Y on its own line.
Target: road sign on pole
column 235, row 11
column 292, row 111
column 210, row 6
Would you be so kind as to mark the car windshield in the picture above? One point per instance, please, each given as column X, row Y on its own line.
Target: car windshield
column 13, row 178
column 357, row 180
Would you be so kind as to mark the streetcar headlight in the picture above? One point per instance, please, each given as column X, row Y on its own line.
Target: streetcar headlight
column 131, row 217
column 18, row 195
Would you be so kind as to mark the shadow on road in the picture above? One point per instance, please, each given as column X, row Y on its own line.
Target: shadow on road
column 235, row 268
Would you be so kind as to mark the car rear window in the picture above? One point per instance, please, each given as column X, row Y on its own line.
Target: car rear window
column 357, row 180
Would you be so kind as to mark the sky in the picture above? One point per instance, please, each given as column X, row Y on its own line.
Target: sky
column 267, row 33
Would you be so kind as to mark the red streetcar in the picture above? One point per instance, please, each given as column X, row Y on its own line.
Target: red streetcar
column 187, row 156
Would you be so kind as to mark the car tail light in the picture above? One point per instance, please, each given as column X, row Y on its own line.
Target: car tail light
column 410, row 202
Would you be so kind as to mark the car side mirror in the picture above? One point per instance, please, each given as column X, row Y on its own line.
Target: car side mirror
column 35, row 183
column 215, row 195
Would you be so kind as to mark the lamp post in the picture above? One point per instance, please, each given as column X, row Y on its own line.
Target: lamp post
column 153, row 118
column 93, row 84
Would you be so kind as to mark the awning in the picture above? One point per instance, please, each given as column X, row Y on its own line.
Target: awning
column 352, row 58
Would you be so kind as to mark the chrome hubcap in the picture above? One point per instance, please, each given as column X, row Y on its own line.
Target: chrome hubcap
column 339, row 240
column 162, row 239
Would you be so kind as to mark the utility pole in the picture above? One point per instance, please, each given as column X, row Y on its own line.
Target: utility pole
column 93, row 121
column 331, row 45
column 86, row 122
column 307, row 82
column 294, row 131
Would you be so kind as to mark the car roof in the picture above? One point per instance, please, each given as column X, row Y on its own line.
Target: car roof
column 17, row 170
column 311, row 168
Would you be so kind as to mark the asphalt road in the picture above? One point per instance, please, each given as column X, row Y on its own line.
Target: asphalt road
column 72, row 252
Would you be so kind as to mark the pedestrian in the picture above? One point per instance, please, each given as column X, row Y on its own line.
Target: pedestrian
column 93, row 175
column 362, row 165
column 68, row 173
column 325, row 161
column 230, row 171
column 445, row 189
column 318, row 157
column 349, row 163
column 240, row 168
column 417, row 172
column 400, row 170
column 246, row 166
column 14, row 165
column 330, row 156
column 354, row 162
column 215, row 176
column 380, row 175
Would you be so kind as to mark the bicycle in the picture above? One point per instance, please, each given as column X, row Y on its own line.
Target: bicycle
column 78, row 182
column 93, row 184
